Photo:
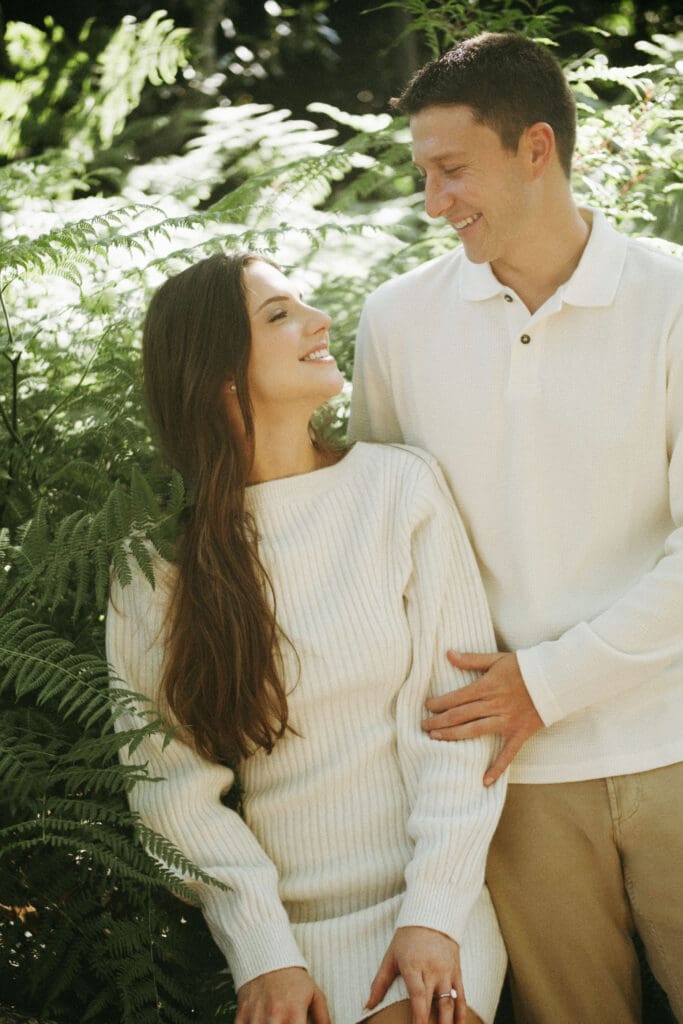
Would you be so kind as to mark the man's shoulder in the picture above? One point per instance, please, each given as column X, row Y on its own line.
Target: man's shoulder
column 424, row 280
column 658, row 255
column 652, row 282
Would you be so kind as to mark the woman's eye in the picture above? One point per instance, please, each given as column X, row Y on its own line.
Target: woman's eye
column 279, row 314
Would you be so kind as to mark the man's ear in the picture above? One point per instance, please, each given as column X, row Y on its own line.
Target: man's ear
column 539, row 142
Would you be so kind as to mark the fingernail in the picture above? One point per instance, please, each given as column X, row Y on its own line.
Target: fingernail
column 436, row 735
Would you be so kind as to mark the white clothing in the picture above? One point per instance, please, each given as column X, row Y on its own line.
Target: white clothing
column 561, row 436
column 360, row 824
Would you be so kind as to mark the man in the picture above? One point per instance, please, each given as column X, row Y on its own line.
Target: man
column 542, row 363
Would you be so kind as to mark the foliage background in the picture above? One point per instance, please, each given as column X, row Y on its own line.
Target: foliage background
column 132, row 143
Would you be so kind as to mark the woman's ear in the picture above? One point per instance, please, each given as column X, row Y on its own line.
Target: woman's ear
column 229, row 392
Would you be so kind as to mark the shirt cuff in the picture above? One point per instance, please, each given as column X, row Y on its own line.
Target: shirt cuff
column 539, row 690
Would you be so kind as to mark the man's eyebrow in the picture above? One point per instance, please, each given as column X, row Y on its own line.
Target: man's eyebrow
column 448, row 154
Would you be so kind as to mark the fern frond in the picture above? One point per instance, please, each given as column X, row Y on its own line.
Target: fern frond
column 38, row 662
column 171, row 857
column 76, row 561
column 99, row 846
column 66, row 249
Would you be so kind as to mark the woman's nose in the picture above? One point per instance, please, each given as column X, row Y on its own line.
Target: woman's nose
column 318, row 320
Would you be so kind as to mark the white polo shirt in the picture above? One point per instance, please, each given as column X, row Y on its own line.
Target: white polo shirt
column 561, row 436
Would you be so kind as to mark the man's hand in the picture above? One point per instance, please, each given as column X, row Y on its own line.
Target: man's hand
column 429, row 963
column 498, row 702
column 288, row 996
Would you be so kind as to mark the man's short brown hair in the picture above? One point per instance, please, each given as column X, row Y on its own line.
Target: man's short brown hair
column 509, row 81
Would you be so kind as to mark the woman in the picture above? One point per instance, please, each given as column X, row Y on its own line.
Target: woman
column 296, row 638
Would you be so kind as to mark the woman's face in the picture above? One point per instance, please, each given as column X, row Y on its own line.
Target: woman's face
column 290, row 361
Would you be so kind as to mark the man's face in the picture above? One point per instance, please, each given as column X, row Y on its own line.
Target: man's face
column 471, row 179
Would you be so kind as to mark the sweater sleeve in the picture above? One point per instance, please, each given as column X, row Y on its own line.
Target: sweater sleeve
column 373, row 413
column 453, row 816
column 638, row 638
column 183, row 802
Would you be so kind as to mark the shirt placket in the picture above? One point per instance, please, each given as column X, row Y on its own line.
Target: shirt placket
column 525, row 335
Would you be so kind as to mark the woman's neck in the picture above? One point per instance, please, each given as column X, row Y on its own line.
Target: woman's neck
column 284, row 450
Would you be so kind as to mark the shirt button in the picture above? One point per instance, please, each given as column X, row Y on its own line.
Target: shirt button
column 508, row 298
column 525, row 339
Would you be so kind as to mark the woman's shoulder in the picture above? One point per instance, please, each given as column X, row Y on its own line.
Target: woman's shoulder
column 411, row 465
column 142, row 581
column 406, row 481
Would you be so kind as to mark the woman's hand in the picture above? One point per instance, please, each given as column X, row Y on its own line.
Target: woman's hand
column 429, row 963
column 288, row 996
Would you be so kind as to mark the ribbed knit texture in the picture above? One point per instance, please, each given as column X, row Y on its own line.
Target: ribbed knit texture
column 361, row 823
column 561, row 436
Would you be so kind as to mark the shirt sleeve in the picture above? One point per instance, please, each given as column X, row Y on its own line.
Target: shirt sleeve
column 373, row 414
column 453, row 815
column 183, row 803
column 638, row 638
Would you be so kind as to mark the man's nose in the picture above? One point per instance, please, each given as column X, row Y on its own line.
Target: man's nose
column 438, row 199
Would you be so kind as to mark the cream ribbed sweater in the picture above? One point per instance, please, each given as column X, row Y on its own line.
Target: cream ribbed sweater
column 360, row 824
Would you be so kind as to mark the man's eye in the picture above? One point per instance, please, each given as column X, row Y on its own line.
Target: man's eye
column 452, row 171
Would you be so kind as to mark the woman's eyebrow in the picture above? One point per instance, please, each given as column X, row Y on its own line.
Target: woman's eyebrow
column 275, row 298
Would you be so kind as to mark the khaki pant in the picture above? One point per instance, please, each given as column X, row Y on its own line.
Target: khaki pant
column 574, row 870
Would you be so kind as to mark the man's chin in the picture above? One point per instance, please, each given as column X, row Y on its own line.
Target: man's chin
column 475, row 254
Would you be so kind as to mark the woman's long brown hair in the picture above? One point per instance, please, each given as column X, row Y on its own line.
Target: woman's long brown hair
column 222, row 678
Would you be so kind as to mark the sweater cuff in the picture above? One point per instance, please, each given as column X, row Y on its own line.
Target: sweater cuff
column 444, row 910
column 257, row 949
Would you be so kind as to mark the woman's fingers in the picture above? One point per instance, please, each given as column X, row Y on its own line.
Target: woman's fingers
column 388, row 970
column 318, row 1009
column 445, row 1004
column 429, row 963
column 288, row 995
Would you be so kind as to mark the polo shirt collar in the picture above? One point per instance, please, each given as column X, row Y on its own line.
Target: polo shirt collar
column 593, row 283
column 596, row 279
column 477, row 281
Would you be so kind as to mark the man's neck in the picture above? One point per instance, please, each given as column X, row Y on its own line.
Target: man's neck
column 547, row 257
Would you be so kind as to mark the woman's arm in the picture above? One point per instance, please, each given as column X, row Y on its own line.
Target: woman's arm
column 453, row 815
column 182, row 801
